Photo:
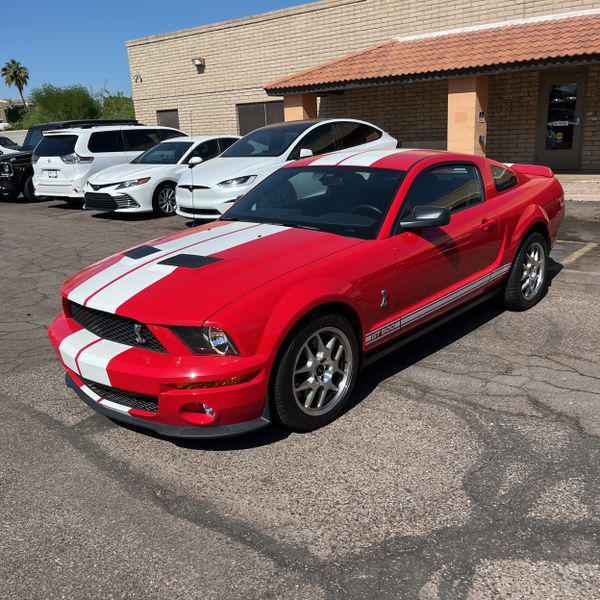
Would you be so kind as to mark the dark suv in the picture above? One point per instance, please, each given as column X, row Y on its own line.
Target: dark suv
column 16, row 170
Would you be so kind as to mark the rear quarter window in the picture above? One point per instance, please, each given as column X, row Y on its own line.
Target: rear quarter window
column 504, row 179
column 106, row 141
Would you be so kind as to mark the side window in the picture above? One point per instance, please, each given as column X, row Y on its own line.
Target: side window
column 205, row 150
column 165, row 134
column 224, row 143
column 106, row 141
column 320, row 140
column 503, row 178
column 453, row 186
column 353, row 134
column 140, row 139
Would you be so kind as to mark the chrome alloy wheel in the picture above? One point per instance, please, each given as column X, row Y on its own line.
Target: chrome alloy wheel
column 322, row 371
column 166, row 200
column 534, row 270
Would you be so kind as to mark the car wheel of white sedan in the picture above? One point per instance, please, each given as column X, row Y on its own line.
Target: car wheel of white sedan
column 163, row 201
column 316, row 374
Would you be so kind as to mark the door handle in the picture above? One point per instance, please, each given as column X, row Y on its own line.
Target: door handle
column 488, row 224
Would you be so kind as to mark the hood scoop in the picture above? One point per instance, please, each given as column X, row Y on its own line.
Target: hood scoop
column 141, row 252
column 189, row 261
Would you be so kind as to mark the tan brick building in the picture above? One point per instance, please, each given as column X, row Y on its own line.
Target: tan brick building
column 538, row 107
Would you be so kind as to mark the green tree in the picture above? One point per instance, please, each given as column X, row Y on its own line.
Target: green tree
column 117, row 106
column 14, row 73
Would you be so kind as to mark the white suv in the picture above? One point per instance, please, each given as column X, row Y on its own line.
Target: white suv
column 65, row 159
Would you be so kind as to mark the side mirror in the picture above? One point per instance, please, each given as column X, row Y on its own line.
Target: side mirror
column 195, row 160
column 305, row 153
column 426, row 216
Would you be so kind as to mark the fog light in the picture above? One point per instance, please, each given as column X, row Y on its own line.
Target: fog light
column 209, row 410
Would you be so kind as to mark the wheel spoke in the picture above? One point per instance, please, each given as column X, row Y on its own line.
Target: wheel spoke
column 310, row 397
column 321, row 394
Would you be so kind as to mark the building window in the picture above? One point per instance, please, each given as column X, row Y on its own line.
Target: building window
column 258, row 114
column 168, row 118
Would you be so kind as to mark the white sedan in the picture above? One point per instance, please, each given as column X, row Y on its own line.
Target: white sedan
column 207, row 191
column 148, row 182
column 8, row 146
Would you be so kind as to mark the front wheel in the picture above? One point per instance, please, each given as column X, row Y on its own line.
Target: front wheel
column 163, row 201
column 528, row 279
column 316, row 373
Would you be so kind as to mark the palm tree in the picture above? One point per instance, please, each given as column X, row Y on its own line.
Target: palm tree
column 16, row 74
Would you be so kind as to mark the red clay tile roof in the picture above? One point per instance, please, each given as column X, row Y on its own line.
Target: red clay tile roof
column 539, row 40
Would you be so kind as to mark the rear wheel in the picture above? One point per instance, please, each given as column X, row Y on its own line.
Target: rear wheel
column 163, row 200
column 29, row 190
column 528, row 279
column 316, row 374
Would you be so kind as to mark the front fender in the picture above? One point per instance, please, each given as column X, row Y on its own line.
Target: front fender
column 301, row 299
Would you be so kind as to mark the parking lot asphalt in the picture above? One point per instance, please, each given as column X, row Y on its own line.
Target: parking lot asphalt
column 467, row 466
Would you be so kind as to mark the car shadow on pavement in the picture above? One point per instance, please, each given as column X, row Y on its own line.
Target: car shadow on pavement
column 368, row 379
column 128, row 217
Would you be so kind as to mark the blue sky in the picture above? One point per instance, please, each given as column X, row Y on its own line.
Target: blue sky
column 67, row 42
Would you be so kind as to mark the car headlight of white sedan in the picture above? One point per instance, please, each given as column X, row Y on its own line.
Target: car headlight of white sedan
column 133, row 182
column 237, row 181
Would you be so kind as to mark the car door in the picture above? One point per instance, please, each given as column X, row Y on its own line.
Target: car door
column 441, row 265
column 350, row 135
column 108, row 149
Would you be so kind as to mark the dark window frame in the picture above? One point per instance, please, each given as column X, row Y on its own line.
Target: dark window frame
column 396, row 229
column 164, row 112
column 265, row 111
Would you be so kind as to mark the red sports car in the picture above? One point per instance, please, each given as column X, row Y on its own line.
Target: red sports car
column 269, row 313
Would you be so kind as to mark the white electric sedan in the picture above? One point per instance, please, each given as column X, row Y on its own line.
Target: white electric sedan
column 148, row 182
column 207, row 191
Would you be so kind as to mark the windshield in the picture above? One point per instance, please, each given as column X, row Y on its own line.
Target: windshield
column 165, row 153
column 350, row 201
column 272, row 140
column 56, row 145
column 32, row 138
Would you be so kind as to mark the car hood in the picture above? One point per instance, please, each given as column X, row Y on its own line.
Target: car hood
column 120, row 173
column 21, row 156
column 185, row 278
column 221, row 169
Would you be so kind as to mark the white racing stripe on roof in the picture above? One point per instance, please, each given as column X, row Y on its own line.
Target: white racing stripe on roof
column 83, row 291
column 72, row 345
column 94, row 360
column 332, row 159
column 114, row 295
column 369, row 157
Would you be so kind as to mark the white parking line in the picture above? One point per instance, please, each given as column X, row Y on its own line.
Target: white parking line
column 578, row 253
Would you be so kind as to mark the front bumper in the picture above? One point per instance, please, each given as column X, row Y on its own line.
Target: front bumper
column 207, row 203
column 134, row 199
column 177, row 431
column 120, row 375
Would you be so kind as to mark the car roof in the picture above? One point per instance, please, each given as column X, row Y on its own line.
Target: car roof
column 80, row 130
column 400, row 159
column 84, row 123
column 200, row 138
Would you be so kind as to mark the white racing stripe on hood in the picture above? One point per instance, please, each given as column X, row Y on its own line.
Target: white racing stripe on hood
column 70, row 347
column 84, row 290
column 368, row 158
column 94, row 360
column 114, row 295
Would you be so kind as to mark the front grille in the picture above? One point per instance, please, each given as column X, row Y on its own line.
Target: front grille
column 106, row 202
column 137, row 401
column 114, row 327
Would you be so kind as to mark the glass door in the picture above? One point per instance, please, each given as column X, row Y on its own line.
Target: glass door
column 560, row 120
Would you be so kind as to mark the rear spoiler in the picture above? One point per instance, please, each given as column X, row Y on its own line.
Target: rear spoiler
column 532, row 170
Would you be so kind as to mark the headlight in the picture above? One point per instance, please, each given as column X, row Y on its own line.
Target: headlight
column 132, row 182
column 238, row 181
column 5, row 169
column 206, row 340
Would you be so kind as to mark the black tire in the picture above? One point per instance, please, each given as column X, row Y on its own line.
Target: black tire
column 158, row 204
column 29, row 190
column 514, row 296
column 285, row 406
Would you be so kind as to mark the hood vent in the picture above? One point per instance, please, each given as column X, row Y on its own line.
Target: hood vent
column 141, row 252
column 189, row 261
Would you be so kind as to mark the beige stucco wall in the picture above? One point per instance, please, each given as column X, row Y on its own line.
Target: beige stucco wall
column 243, row 55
